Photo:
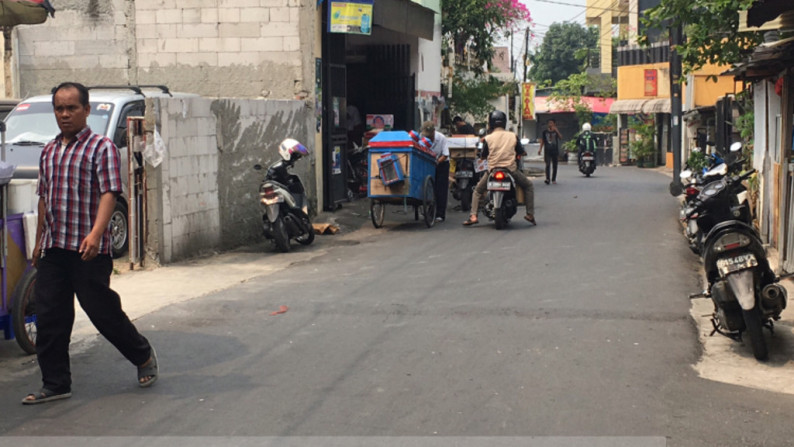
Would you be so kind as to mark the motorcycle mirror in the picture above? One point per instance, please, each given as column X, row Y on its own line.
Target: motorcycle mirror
column 685, row 174
column 525, row 141
column 258, row 167
column 736, row 147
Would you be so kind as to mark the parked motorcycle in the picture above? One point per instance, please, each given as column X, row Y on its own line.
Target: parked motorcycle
column 694, row 182
column 463, row 187
column 282, row 198
column 357, row 176
column 746, row 293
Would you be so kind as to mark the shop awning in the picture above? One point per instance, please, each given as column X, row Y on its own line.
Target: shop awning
column 543, row 104
column 405, row 16
column 661, row 105
column 627, row 106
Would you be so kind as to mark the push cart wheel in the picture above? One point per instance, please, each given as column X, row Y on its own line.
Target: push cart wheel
column 23, row 312
column 377, row 211
column 429, row 202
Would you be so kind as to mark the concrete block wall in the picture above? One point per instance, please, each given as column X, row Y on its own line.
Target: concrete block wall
column 204, row 195
column 217, row 48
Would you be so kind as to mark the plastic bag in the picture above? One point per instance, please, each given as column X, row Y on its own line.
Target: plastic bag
column 155, row 150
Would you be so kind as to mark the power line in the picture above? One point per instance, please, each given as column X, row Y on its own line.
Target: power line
column 580, row 6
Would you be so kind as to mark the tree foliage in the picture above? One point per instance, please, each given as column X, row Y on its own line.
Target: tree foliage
column 711, row 29
column 479, row 23
column 563, row 52
column 473, row 95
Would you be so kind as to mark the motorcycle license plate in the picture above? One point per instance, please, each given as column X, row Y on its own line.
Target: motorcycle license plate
column 499, row 186
column 586, row 158
column 464, row 174
column 736, row 263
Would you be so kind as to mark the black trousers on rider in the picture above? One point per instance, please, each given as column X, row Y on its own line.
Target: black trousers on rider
column 442, row 188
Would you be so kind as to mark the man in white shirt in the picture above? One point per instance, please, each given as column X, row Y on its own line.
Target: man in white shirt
column 441, row 150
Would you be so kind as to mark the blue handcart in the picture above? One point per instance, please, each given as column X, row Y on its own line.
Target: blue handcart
column 401, row 172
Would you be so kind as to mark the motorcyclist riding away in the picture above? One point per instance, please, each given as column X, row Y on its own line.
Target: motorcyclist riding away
column 586, row 141
column 500, row 149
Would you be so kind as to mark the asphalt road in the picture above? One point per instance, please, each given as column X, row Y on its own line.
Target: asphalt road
column 579, row 327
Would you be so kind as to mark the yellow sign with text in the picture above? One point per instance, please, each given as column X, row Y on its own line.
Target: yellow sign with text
column 528, row 100
column 350, row 17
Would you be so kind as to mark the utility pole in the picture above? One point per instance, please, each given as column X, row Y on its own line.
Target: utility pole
column 676, row 38
column 526, row 52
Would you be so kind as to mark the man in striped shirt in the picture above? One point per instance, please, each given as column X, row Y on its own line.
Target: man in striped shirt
column 79, row 178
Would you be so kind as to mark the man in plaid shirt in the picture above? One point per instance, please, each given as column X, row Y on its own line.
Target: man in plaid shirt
column 79, row 178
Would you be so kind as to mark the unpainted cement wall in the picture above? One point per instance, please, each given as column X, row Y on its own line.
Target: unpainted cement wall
column 204, row 195
column 218, row 48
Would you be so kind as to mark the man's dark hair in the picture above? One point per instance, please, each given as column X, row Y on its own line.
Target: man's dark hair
column 81, row 89
column 457, row 120
column 551, row 120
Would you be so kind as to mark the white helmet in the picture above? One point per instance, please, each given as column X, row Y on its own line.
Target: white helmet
column 291, row 150
column 586, row 127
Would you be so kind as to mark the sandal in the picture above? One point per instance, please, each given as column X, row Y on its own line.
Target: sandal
column 471, row 221
column 44, row 395
column 148, row 371
column 531, row 219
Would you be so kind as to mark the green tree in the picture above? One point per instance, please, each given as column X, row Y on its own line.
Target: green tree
column 472, row 95
column 563, row 52
column 711, row 29
column 474, row 25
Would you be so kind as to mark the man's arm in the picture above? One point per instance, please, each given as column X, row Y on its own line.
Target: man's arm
column 89, row 248
column 39, row 231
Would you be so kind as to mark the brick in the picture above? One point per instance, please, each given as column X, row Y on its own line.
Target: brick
column 281, row 29
column 145, row 17
column 292, row 44
column 164, row 31
column 197, row 30
column 57, row 48
column 239, row 30
column 231, row 15
column 179, row 45
column 168, row 16
column 279, row 14
column 147, row 46
column 209, row 15
column 255, row 15
column 191, row 15
column 196, row 59
column 273, row 3
column 294, row 15
column 224, row 44
column 263, row 44
column 237, row 3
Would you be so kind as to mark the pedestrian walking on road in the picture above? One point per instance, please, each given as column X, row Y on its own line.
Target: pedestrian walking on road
column 79, row 179
column 441, row 150
column 551, row 140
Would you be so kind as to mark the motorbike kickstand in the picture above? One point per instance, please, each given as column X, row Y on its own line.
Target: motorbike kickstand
column 733, row 336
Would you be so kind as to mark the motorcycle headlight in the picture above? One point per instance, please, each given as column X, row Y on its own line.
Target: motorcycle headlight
column 731, row 241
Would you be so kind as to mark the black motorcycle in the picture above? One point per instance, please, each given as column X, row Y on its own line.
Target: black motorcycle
column 502, row 199
column 746, row 293
column 465, row 179
column 284, row 207
column 587, row 163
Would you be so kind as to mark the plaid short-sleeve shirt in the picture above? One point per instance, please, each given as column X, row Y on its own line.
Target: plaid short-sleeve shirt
column 72, row 177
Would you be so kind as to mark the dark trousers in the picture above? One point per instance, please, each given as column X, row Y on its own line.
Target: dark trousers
column 552, row 158
column 442, row 189
column 62, row 274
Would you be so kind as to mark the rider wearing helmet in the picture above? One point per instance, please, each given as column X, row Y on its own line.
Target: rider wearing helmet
column 500, row 149
column 585, row 142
